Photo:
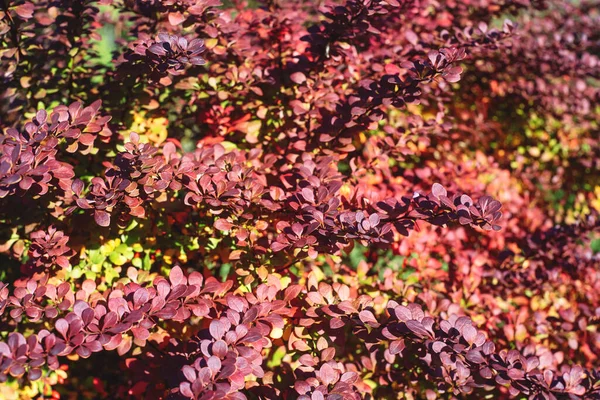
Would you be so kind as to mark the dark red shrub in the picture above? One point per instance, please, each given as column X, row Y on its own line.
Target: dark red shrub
column 266, row 199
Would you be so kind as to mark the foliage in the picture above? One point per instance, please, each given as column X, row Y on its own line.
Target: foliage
column 362, row 199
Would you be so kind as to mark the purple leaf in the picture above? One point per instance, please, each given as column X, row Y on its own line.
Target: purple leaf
column 102, row 218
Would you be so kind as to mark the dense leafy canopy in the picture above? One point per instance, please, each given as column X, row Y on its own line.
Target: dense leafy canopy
column 360, row 199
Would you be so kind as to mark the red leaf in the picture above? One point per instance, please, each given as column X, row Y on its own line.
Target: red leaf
column 217, row 329
column 397, row 346
column 469, row 333
column 223, row 225
column 438, row 190
column 336, row 323
column 62, row 326
column 176, row 276
column 176, row 18
column 25, row 11
column 102, row 218
column 298, row 77
column 368, row 318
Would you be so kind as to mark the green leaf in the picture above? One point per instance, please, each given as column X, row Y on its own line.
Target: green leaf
column 96, row 257
column 595, row 245
column 147, row 262
column 224, row 271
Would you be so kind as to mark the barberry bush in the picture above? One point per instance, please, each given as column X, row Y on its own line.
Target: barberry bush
column 340, row 199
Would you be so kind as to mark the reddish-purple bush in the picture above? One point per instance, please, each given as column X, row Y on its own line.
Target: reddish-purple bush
column 264, row 199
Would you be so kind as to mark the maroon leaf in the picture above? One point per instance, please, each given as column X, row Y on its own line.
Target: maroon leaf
column 102, row 218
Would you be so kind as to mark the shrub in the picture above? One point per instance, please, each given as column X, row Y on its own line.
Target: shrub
column 260, row 200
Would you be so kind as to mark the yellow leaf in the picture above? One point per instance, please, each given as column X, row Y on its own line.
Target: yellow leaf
column 276, row 333
column 262, row 272
column 251, row 129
